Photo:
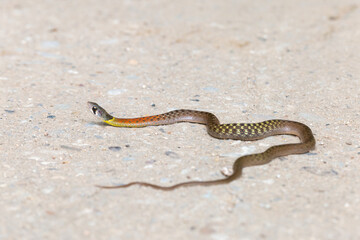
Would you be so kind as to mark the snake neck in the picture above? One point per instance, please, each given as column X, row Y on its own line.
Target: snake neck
column 171, row 117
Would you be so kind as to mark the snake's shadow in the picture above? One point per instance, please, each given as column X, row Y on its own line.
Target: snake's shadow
column 99, row 124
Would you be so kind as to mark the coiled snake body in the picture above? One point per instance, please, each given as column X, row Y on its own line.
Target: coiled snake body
column 237, row 131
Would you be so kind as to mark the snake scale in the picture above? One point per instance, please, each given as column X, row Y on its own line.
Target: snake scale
column 236, row 131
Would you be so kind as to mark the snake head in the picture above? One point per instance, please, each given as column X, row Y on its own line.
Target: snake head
column 99, row 111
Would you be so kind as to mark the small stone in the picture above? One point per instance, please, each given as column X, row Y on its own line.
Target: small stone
column 226, row 171
column 171, row 154
column 70, row 148
column 115, row 148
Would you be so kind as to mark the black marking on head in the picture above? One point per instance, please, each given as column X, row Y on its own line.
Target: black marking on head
column 94, row 109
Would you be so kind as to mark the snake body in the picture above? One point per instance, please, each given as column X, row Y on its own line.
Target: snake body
column 236, row 131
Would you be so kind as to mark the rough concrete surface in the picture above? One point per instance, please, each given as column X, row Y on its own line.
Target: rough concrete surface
column 244, row 61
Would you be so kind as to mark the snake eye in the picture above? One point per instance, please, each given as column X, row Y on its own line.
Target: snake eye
column 94, row 109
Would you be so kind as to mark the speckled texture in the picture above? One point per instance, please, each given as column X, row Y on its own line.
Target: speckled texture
column 245, row 61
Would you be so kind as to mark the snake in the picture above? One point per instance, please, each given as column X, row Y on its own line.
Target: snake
column 235, row 131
